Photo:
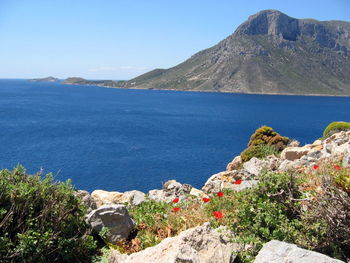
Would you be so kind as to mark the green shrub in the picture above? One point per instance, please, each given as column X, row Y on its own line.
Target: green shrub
column 259, row 151
column 41, row 220
column 277, row 209
column 335, row 127
column 263, row 142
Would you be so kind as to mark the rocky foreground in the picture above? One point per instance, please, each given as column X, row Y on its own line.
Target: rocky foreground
column 203, row 243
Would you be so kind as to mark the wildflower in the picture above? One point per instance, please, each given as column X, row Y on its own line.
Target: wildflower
column 316, row 167
column 220, row 194
column 218, row 214
column 205, row 200
column 176, row 209
column 337, row 167
column 176, row 200
column 239, row 181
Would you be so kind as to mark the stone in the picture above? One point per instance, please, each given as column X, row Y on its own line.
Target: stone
column 200, row 244
column 135, row 197
column 171, row 190
column 254, row 166
column 115, row 218
column 102, row 197
column 282, row 252
column 215, row 182
column 294, row 143
column 87, row 200
column 242, row 186
column 198, row 193
column 346, row 161
column 235, row 164
column 293, row 153
column 156, row 195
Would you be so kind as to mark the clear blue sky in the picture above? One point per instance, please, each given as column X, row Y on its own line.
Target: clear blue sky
column 115, row 39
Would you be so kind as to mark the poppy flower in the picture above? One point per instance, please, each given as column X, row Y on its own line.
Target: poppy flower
column 176, row 209
column 220, row 194
column 205, row 200
column 218, row 214
column 316, row 166
column 239, row 181
column 176, row 200
column 337, row 167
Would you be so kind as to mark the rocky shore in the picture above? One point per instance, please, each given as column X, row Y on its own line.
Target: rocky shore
column 108, row 210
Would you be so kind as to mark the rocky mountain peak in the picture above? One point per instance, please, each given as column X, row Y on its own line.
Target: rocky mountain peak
column 270, row 22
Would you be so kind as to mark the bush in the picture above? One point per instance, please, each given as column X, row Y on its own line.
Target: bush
column 278, row 208
column 265, row 141
column 334, row 127
column 259, row 151
column 41, row 220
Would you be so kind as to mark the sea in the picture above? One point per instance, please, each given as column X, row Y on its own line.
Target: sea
column 121, row 139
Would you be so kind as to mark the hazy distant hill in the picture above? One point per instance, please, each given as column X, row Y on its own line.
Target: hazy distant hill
column 269, row 53
column 47, row 79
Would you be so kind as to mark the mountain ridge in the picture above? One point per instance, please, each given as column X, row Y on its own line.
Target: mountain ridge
column 269, row 53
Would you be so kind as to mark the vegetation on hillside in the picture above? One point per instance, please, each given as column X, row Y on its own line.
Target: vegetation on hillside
column 264, row 141
column 334, row 127
column 41, row 220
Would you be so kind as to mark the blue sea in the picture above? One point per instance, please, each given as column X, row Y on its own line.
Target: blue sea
column 118, row 139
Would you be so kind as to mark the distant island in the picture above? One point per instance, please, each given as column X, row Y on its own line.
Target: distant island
column 47, row 79
column 270, row 53
column 82, row 81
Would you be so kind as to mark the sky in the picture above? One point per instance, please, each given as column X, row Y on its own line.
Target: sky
column 121, row 39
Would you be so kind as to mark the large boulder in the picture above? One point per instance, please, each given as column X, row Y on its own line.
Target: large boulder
column 102, row 197
column 115, row 219
column 282, row 252
column 196, row 245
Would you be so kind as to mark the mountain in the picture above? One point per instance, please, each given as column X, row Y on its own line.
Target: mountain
column 47, row 79
column 269, row 53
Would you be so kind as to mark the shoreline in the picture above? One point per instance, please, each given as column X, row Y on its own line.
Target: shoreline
column 212, row 91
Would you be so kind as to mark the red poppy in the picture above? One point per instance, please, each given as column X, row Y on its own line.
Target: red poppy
column 205, row 200
column 239, row 181
column 316, row 166
column 176, row 209
column 176, row 200
column 218, row 214
column 220, row 194
column 337, row 167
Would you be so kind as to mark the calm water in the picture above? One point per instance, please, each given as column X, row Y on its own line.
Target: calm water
column 136, row 139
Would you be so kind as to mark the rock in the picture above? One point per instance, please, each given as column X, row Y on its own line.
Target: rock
column 254, row 166
column 156, row 195
column 242, row 186
column 135, row 197
column 196, row 245
column 294, row 143
column 87, row 200
column 171, row 190
column 282, row 252
column 215, row 182
column 341, row 149
column 113, row 217
column 287, row 165
column 198, row 193
column 293, row 153
column 102, row 197
column 346, row 161
column 317, row 143
column 235, row 164
column 273, row 162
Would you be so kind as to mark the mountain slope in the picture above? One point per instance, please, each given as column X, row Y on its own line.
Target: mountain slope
column 269, row 53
